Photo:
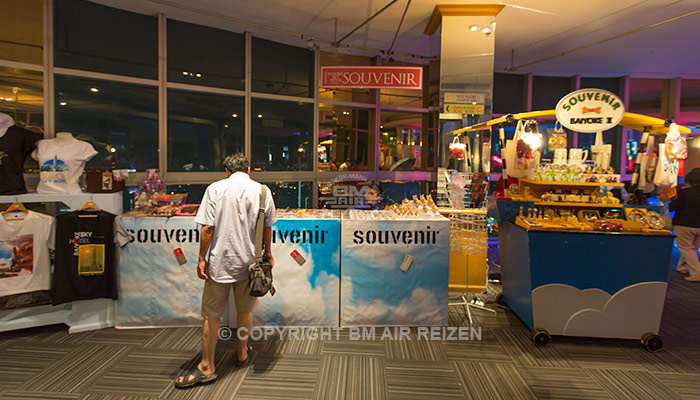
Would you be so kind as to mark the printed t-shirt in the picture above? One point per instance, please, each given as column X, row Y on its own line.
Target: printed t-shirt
column 24, row 252
column 15, row 145
column 60, row 167
column 85, row 266
column 231, row 207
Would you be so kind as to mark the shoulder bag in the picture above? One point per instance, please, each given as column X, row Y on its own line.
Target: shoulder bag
column 260, row 272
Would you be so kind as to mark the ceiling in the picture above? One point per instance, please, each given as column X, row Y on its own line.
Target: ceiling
column 640, row 38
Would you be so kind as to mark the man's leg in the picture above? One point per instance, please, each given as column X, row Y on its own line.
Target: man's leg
column 244, row 314
column 244, row 320
column 210, row 335
column 685, row 239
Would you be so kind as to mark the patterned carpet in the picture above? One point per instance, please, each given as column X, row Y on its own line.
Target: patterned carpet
column 48, row 363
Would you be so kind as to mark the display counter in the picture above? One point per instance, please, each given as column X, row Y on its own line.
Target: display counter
column 592, row 284
column 375, row 290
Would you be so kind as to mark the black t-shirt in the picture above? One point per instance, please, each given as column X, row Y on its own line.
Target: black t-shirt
column 687, row 207
column 85, row 265
column 15, row 145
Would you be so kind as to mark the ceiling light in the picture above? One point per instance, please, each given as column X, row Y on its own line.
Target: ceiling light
column 234, row 115
column 112, row 150
column 259, row 115
column 94, row 89
column 473, row 102
column 198, row 75
column 8, row 99
column 493, row 24
column 63, row 103
column 486, row 30
column 185, row 73
column 473, row 28
column 225, row 125
column 381, row 126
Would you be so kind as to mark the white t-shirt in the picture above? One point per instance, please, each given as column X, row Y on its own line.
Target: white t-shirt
column 231, row 207
column 60, row 166
column 24, row 252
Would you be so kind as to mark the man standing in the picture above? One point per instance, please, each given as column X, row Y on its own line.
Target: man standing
column 228, row 215
column 686, row 226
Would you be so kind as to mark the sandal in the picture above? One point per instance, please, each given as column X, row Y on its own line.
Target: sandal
column 199, row 378
column 245, row 362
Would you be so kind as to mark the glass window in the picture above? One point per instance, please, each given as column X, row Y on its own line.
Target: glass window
column 22, row 98
column 282, row 135
column 205, row 56
column 282, row 69
column 120, row 120
column 21, row 36
column 508, row 93
column 645, row 96
column 690, row 100
column 396, row 191
column 401, row 141
column 93, row 37
column 290, row 194
column 346, row 94
column 609, row 84
column 548, row 90
column 344, row 139
column 203, row 129
column 194, row 192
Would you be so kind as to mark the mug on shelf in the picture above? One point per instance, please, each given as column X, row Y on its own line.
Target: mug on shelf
column 559, row 156
column 577, row 156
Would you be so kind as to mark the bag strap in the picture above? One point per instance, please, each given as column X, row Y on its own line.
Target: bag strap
column 260, row 223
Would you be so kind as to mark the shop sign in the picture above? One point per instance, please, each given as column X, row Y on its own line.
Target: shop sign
column 464, row 108
column 372, row 77
column 465, row 98
column 590, row 110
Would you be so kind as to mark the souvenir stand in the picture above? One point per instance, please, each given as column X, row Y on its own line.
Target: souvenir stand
column 575, row 262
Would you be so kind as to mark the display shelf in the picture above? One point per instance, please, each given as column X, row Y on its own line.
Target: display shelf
column 575, row 184
column 565, row 204
column 79, row 315
column 110, row 202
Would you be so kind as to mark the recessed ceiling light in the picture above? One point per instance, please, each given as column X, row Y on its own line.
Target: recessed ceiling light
column 486, row 30
column 493, row 24
column 63, row 103
column 184, row 73
column 259, row 115
column 473, row 28
column 94, row 89
column 198, row 75
column 234, row 115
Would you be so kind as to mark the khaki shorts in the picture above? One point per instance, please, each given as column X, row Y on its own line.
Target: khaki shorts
column 215, row 297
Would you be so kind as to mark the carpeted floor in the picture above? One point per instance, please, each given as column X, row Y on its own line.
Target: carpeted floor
column 48, row 363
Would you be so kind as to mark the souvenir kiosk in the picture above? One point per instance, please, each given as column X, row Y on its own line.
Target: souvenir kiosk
column 575, row 261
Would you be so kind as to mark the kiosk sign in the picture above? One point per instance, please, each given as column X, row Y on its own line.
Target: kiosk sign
column 590, row 110
column 372, row 77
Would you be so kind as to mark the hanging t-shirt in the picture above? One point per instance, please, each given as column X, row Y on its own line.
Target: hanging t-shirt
column 15, row 145
column 60, row 166
column 24, row 252
column 85, row 266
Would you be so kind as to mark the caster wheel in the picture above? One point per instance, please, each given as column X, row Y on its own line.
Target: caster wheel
column 652, row 342
column 540, row 337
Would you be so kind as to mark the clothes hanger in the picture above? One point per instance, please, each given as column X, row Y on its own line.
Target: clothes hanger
column 90, row 205
column 15, row 207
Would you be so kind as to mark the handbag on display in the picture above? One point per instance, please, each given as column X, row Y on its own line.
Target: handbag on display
column 517, row 152
column 457, row 149
column 676, row 145
column 666, row 175
column 557, row 139
column 260, row 272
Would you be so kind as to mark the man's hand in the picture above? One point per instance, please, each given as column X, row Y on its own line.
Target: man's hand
column 202, row 267
column 268, row 257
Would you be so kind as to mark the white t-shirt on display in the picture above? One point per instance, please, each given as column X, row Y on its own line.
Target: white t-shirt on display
column 24, row 252
column 231, row 207
column 61, row 163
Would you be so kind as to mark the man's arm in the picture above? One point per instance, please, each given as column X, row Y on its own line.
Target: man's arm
column 267, row 242
column 204, row 243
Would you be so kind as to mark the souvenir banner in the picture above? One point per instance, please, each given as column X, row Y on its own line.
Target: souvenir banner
column 154, row 289
column 372, row 77
column 376, row 290
column 306, row 275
